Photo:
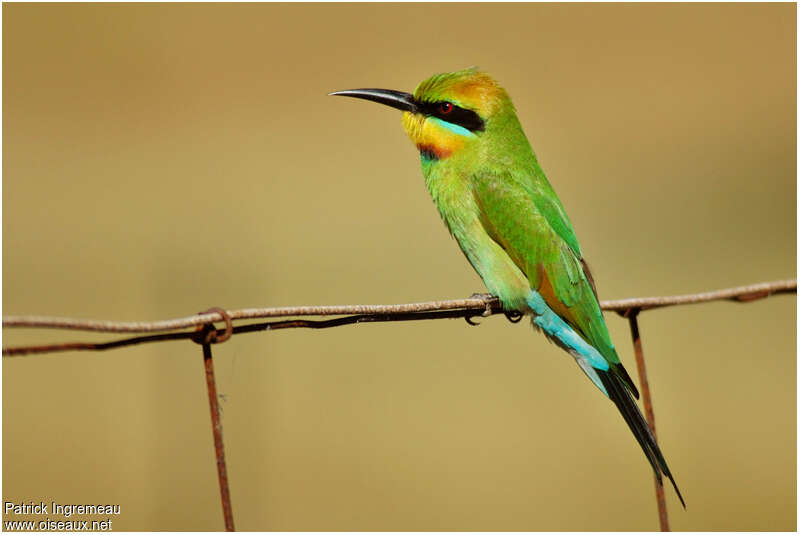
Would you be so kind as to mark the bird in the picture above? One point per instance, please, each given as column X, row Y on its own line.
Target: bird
column 496, row 201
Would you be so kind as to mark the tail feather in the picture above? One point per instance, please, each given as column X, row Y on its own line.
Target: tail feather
column 621, row 397
column 609, row 377
column 620, row 370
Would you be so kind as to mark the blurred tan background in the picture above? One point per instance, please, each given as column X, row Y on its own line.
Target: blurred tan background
column 162, row 159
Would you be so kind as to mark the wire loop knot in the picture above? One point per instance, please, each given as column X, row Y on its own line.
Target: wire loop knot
column 207, row 333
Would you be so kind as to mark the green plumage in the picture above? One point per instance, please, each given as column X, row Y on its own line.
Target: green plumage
column 494, row 197
column 499, row 191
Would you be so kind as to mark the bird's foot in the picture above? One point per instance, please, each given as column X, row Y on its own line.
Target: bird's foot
column 514, row 316
column 489, row 300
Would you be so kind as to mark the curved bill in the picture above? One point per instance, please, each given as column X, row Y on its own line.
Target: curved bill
column 395, row 99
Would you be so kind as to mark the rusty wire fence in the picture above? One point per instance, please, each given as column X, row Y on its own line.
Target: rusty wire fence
column 200, row 329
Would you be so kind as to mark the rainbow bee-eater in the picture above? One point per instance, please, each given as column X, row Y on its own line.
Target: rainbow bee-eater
column 496, row 201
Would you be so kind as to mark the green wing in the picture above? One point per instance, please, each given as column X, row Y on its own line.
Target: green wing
column 524, row 216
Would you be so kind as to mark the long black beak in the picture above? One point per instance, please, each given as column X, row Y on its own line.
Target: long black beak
column 395, row 99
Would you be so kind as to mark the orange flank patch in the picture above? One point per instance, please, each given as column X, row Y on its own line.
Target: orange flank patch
column 549, row 296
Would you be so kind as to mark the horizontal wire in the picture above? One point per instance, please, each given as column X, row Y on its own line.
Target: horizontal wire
column 478, row 305
column 481, row 302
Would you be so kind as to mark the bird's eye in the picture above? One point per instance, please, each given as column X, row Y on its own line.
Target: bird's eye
column 445, row 107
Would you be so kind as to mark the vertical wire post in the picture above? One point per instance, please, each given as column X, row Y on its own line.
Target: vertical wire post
column 632, row 315
column 205, row 336
column 219, row 448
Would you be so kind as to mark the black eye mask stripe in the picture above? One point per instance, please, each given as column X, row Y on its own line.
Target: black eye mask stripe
column 457, row 115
